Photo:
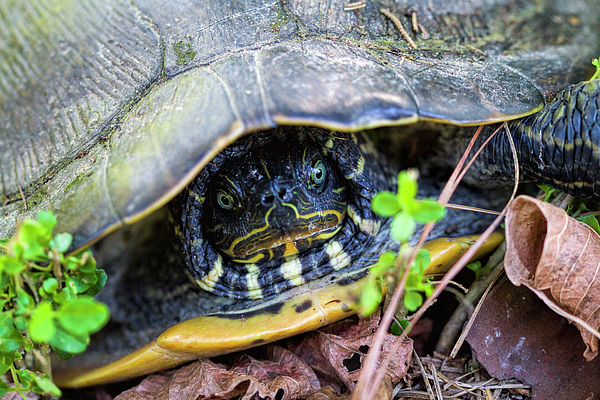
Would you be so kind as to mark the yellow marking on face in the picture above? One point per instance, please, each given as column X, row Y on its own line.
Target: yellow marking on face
column 254, row 259
column 339, row 258
column 329, row 143
column 292, row 271
column 290, row 249
column 255, row 243
column 208, row 282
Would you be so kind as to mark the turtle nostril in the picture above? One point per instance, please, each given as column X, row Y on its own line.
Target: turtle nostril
column 282, row 194
column 267, row 199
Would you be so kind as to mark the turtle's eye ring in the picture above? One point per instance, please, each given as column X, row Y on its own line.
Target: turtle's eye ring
column 225, row 200
column 318, row 173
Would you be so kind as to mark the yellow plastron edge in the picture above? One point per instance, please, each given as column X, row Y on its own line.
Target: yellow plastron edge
column 208, row 336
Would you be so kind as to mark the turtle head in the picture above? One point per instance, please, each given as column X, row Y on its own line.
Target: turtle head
column 274, row 202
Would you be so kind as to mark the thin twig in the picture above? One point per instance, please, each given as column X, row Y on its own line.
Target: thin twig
column 399, row 25
column 424, row 373
column 436, row 382
column 355, row 6
column 22, row 195
column 474, row 209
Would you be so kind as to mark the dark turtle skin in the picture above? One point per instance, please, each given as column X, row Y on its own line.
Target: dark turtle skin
column 306, row 230
column 109, row 109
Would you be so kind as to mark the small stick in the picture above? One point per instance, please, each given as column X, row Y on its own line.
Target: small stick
column 415, row 23
column 399, row 25
column 22, row 195
column 355, row 6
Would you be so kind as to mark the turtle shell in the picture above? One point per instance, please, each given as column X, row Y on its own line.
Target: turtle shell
column 108, row 109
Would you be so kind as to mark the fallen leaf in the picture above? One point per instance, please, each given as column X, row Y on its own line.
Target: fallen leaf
column 515, row 335
column 558, row 258
column 280, row 376
column 337, row 352
column 328, row 393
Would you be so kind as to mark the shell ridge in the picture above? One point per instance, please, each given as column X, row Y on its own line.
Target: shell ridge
column 230, row 97
column 261, row 87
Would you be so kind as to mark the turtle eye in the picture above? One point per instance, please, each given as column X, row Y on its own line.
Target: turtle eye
column 225, row 200
column 318, row 173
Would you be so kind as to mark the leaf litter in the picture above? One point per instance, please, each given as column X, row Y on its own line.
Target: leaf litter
column 322, row 363
column 558, row 258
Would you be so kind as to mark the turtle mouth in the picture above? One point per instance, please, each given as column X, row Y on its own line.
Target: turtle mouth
column 267, row 243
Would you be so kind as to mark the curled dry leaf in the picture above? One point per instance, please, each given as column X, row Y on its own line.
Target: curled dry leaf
column 281, row 375
column 337, row 352
column 558, row 258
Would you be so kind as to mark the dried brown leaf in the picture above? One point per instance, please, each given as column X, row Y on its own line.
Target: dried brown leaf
column 337, row 352
column 515, row 335
column 281, row 375
column 558, row 258
column 328, row 393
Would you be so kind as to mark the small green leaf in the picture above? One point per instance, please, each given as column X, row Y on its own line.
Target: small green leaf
column 90, row 263
column 422, row 260
column 26, row 378
column 428, row 211
column 548, row 191
column 20, row 322
column 61, row 242
column 385, row 204
column 413, row 300
column 11, row 265
column 591, row 221
column 47, row 220
column 11, row 341
column 100, row 282
column 46, row 385
column 6, row 361
column 385, row 262
column 5, row 389
column 32, row 239
column 407, row 188
column 69, row 343
column 81, row 281
column 24, row 301
column 50, row 285
column 370, row 298
column 6, row 323
column 82, row 316
column 399, row 329
column 42, row 327
column 402, row 227
column 597, row 73
column 63, row 355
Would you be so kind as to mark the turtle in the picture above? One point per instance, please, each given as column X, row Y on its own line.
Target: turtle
column 112, row 109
